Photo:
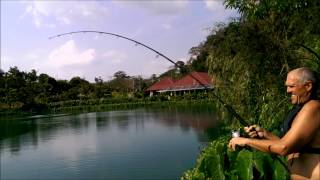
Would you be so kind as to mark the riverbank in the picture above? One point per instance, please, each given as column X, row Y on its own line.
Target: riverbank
column 88, row 107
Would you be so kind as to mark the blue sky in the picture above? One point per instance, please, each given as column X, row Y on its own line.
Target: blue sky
column 171, row 27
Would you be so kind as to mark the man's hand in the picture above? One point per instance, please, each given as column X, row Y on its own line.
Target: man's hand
column 255, row 131
column 238, row 141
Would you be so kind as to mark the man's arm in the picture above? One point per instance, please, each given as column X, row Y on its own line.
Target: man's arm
column 303, row 129
column 264, row 145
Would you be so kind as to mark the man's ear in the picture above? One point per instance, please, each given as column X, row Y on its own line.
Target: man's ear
column 308, row 85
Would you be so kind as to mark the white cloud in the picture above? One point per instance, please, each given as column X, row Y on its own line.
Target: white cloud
column 158, row 7
column 165, row 7
column 38, row 10
column 214, row 5
column 68, row 54
column 65, row 13
column 114, row 56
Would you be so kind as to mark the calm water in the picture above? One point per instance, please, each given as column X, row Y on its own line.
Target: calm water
column 133, row 144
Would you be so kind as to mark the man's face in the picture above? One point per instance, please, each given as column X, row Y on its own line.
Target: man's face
column 296, row 89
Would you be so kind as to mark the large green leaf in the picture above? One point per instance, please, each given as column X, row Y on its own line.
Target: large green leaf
column 263, row 164
column 244, row 165
column 214, row 160
column 232, row 160
column 259, row 163
column 232, row 175
column 280, row 172
column 214, row 166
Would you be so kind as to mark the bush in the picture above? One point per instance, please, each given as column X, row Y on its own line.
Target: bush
column 219, row 162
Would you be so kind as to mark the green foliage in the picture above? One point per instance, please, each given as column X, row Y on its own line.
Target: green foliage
column 248, row 60
column 30, row 92
column 279, row 171
column 218, row 162
column 244, row 165
column 210, row 164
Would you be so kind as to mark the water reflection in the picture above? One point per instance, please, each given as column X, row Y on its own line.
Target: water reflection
column 117, row 144
column 15, row 134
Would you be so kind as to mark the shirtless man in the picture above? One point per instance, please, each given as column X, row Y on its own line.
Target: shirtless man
column 301, row 137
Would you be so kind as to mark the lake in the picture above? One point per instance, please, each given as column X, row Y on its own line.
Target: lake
column 130, row 144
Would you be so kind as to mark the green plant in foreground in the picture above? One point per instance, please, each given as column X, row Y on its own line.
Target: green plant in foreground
column 218, row 162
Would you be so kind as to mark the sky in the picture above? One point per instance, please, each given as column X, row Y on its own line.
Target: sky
column 170, row 27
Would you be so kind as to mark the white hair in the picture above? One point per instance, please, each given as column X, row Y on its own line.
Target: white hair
column 304, row 74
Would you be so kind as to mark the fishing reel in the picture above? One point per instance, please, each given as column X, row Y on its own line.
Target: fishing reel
column 239, row 133
column 236, row 133
column 242, row 133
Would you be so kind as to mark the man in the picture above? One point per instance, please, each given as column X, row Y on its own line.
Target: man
column 301, row 139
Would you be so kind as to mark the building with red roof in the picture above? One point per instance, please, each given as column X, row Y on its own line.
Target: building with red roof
column 193, row 81
column 160, row 86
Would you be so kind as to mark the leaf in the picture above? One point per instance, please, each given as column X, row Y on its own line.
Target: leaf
column 279, row 171
column 260, row 163
column 232, row 157
column 232, row 175
column 214, row 166
column 213, row 161
column 244, row 165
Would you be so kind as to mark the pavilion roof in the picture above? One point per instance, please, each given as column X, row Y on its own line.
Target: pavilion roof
column 195, row 80
column 161, row 85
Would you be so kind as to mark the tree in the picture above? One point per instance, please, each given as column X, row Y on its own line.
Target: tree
column 98, row 80
column 1, row 73
column 249, row 59
column 79, row 88
column 32, row 76
column 120, row 75
column 15, row 78
column 98, row 90
column 121, row 83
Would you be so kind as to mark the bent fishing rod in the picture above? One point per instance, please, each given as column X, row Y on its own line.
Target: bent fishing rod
column 227, row 106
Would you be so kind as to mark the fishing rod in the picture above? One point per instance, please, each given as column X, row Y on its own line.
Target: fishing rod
column 227, row 106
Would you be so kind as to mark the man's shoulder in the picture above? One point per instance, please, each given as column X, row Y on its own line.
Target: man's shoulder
column 313, row 104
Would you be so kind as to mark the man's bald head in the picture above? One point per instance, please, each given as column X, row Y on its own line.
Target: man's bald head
column 304, row 75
